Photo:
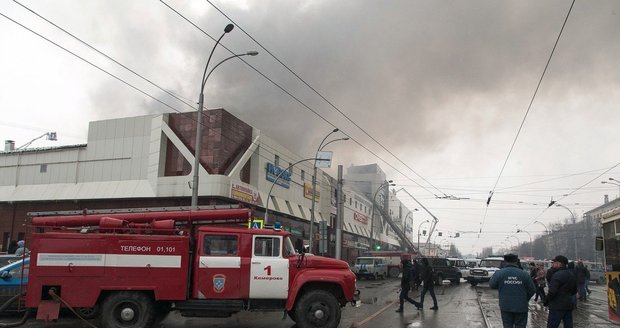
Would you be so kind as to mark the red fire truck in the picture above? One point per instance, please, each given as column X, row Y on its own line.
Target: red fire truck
column 130, row 266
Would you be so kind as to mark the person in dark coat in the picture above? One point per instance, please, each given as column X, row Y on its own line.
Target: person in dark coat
column 415, row 275
column 582, row 277
column 426, row 274
column 550, row 273
column 540, row 282
column 533, row 274
column 515, row 288
column 562, row 288
column 406, row 282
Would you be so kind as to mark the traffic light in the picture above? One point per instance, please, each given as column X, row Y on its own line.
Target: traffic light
column 377, row 247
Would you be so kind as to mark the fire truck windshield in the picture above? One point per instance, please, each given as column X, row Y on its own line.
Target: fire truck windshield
column 289, row 250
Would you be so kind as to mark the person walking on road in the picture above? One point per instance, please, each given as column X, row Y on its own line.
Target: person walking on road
column 426, row 275
column 540, row 282
column 582, row 277
column 533, row 273
column 415, row 279
column 406, row 283
column 515, row 288
column 562, row 290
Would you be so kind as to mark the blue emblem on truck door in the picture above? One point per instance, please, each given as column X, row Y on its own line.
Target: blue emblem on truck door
column 219, row 282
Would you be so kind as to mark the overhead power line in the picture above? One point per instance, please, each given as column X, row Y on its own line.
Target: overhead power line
column 528, row 110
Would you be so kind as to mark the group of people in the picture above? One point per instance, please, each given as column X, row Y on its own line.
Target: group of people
column 414, row 275
column 516, row 287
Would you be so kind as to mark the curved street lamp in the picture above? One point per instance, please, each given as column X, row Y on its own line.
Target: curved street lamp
column 372, row 212
column 613, row 182
column 196, row 177
column 517, row 238
column 316, row 155
column 520, row 230
column 544, row 225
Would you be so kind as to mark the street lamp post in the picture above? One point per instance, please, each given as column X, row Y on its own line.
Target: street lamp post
column 372, row 212
column 574, row 220
column 517, row 238
column 553, row 202
column 196, row 178
column 547, row 238
column 613, row 182
column 511, row 244
column 520, row 230
column 544, row 225
column 420, row 226
column 316, row 155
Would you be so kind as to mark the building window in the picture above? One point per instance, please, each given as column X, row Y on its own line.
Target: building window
column 43, row 168
column 303, row 175
column 355, row 204
column 276, row 161
column 290, row 169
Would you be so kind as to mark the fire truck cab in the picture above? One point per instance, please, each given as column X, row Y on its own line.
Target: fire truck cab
column 132, row 267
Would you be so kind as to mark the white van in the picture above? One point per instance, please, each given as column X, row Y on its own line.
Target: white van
column 370, row 267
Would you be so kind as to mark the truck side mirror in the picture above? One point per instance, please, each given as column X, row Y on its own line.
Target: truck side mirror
column 598, row 243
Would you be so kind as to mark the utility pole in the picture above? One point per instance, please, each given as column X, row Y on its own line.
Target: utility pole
column 339, row 214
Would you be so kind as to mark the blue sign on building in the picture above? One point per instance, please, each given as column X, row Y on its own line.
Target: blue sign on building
column 273, row 172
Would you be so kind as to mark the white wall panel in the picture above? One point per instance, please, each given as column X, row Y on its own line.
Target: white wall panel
column 108, row 146
column 97, row 171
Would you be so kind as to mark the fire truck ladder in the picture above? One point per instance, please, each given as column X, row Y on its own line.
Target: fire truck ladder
column 404, row 241
column 184, row 213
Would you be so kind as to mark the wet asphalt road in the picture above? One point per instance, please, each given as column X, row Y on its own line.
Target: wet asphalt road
column 459, row 306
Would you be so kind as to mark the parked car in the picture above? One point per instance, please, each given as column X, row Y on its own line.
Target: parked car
column 485, row 270
column 370, row 267
column 597, row 273
column 444, row 270
column 8, row 259
column 13, row 280
column 461, row 264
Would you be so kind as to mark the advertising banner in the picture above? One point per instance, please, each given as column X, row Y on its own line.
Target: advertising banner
column 245, row 193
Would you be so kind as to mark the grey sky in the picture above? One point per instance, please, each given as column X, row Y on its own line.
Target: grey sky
column 444, row 85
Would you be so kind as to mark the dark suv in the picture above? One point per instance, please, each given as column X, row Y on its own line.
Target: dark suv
column 444, row 270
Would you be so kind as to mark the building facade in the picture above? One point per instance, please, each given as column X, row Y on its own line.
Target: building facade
column 146, row 161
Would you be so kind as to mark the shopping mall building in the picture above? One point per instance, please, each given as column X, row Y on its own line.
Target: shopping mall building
column 146, row 161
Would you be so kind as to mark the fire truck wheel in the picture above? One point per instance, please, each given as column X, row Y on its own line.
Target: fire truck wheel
column 127, row 310
column 317, row 308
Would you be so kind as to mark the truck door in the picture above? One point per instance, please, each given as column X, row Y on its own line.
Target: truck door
column 269, row 270
column 218, row 270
